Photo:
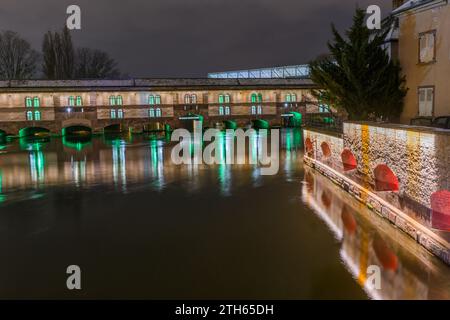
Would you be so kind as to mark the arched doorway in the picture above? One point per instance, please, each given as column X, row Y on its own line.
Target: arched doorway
column 385, row 179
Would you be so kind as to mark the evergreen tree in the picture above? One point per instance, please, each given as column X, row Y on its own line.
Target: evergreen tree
column 359, row 77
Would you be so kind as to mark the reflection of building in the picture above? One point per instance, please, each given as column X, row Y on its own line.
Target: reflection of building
column 405, row 273
column 423, row 35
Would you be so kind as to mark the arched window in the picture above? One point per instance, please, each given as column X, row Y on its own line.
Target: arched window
column 29, row 115
column 260, row 97
column 151, row 100
column 194, row 98
column 120, row 114
column 71, row 101
column 79, row 102
column 309, row 145
column 288, row 98
column 112, row 101
column 36, row 102
column 28, row 102
column 119, row 100
column 221, row 99
column 227, row 98
column 254, row 97
column 221, row 110
column 326, row 150
column 227, row 111
column 259, row 110
column 385, row 179
column 151, row 113
column 348, row 160
column 37, row 115
column 158, row 112
column 158, row 99
column 187, row 99
column 253, row 109
column 113, row 114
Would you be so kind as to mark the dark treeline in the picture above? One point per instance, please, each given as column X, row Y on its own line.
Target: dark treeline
column 59, row 59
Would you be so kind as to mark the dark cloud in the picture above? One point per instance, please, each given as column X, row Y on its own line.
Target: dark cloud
column 171, row 38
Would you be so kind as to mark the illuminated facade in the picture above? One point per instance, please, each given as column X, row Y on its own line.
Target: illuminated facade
column 139, row 104
column 420, row 41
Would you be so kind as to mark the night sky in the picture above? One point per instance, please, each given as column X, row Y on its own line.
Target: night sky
column 189, row 38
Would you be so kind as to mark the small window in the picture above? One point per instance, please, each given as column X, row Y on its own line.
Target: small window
column 119, row 100
column 259, row 110
column 227, row 111
column 427, row 42
column 253, row 109
column 29, row 115
column 37, row 115
column 113, row 114
column 112, row 101
column 151, row 100
column 227, row 98
column 221, row 99
column 79, row 101
column 36, row 102
column 71, row 101
column 158, row 112
column 151, row 113
column 187, row 99
column 293, row 97
column 426, row 101
column 221, row 110
column 194, row 98
column 288, row 98
column 254, row 97
column 158, row 99
column 28, row 102
column 120, row 114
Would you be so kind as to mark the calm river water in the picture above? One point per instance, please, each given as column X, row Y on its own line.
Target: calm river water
column 141, row 227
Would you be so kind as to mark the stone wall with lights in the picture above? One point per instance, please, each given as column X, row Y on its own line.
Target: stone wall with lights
column 419, row 157
column 400, row 172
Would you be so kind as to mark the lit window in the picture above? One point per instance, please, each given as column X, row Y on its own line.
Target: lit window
column 120, row 114
column 112, row 101
column 259, row 110
column 427, row 50
column 227, row 111
column 187, row 99
column 36, row 102
column 288, row 98
column 158, row 99
column 119, row 100
column 28, row 102
column 294, row 97
column 29, row 115
column 37, row 115
column 151, row 113
column 254, row 97
column 71, row 101
column 194, row 98
column 227, row 98
column 426, row 101
column 79, row 101
column 253, row 109
column 151, row 100
column 113, row 113
column 221, row 99
column 221, row 110
column 158, row 112
column 260, row 97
